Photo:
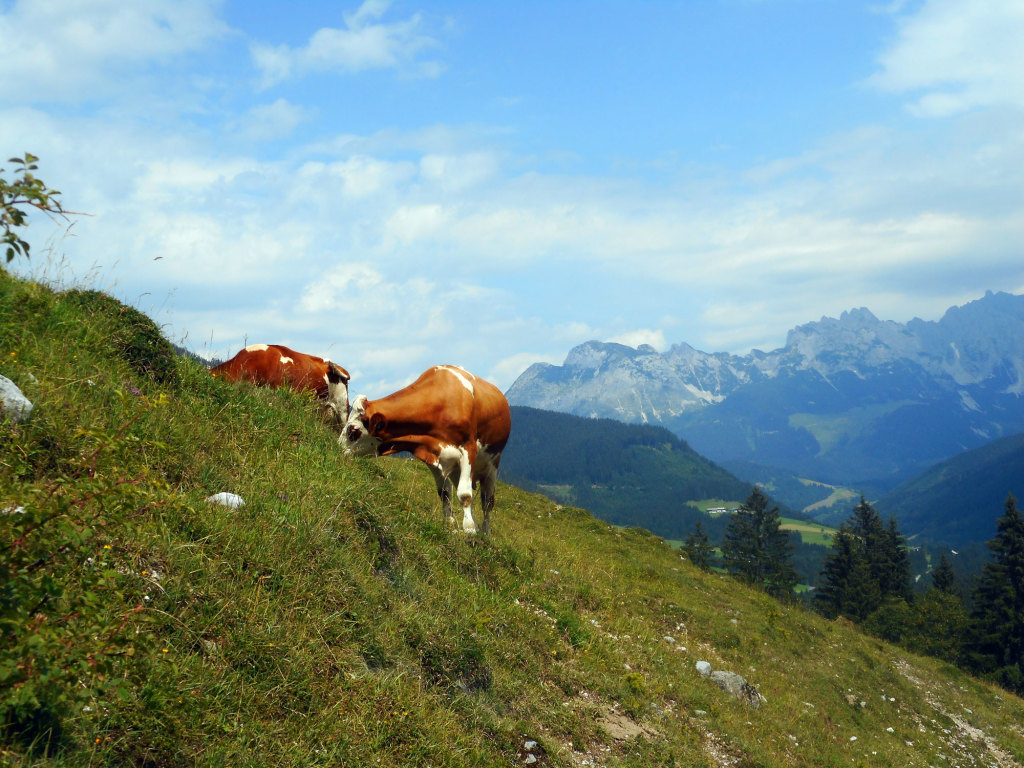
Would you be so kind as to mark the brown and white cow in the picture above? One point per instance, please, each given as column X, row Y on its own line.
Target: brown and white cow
column 272, row 365
column 454, row 422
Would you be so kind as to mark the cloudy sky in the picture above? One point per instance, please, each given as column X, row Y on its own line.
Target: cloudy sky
column 395, row 185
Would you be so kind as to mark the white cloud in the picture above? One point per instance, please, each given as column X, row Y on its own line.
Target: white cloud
column 359, row 176
column 364, row 43
column 508, row 369
column 75, row 50
column 957, row 55
column 452, row 173
column 271, row 121
column 655, row 338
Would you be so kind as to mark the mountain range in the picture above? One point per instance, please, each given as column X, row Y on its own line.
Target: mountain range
column 855, row 401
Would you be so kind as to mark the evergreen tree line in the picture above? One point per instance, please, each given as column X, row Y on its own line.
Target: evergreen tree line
column 866, row 579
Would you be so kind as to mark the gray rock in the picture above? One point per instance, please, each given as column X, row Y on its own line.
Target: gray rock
column 704, row 668
column 13, row 402
column 737, row 686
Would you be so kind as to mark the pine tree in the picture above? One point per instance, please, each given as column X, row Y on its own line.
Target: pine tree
column 894, row 564
column 833, row 586
column 995, row 643
column 944, row 577
column 868, row 566
column 757, row 550
column 698, row 548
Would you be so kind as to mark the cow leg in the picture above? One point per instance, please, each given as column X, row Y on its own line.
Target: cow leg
column 451, row 466
column 464, row 490
column 443, row 493
column 488, row 480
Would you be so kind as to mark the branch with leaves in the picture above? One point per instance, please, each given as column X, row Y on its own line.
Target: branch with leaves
column 17, row 197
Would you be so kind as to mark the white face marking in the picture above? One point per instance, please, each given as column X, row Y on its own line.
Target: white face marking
column 462, row 375
column 257, row 348
column 355, row 438
column 337, row 396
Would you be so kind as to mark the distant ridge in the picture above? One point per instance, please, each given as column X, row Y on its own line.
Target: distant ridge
column 959, row 500
column 852, row 401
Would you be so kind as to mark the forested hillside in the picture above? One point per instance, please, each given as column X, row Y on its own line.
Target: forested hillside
column 626, row 474
column 954, row 502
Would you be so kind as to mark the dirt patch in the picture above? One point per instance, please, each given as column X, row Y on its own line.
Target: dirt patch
column 621, row 727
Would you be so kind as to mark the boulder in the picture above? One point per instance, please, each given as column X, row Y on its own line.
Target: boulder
column 737, row 686
column 12, row 402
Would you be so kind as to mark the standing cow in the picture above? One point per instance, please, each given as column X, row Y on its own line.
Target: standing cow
column 272, row 365
column 454, row 422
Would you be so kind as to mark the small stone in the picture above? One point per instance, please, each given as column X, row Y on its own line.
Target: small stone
column 530, row 759
column 704, row 668
column 529, row 746
column 225, row 499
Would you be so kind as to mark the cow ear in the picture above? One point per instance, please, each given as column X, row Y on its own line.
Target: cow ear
column 336, row 373
column 377, row 423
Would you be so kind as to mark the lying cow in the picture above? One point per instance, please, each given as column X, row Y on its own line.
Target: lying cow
column 454, row 422
column 271, row 365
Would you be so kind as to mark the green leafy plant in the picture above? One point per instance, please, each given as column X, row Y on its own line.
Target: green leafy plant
column 17, row 196
column 69, row 594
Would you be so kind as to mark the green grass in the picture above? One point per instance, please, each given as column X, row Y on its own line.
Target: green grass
column 334, row 621
column 810, row 533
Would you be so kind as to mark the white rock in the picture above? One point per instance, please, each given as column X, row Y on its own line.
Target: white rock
column 704, row 668
column 13, row 402
column 225, row 499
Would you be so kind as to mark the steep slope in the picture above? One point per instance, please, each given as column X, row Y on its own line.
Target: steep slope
column 850, row 401
column 959, row 500
column 333, row 620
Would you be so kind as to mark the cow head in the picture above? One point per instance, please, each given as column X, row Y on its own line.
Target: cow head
column 357, row 436
column 337, row 392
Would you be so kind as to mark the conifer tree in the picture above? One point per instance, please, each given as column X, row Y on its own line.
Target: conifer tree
column 944, row 577
column 868, row 565
column 995, row 644
column 698, row 548
column 756, row 549
column 893, row 564
column 833, row 586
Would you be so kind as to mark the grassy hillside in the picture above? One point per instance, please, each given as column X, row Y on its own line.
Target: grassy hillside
column 334, row 621
column 959, row 500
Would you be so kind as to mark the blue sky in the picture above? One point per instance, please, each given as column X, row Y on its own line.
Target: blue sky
column 395, row 185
